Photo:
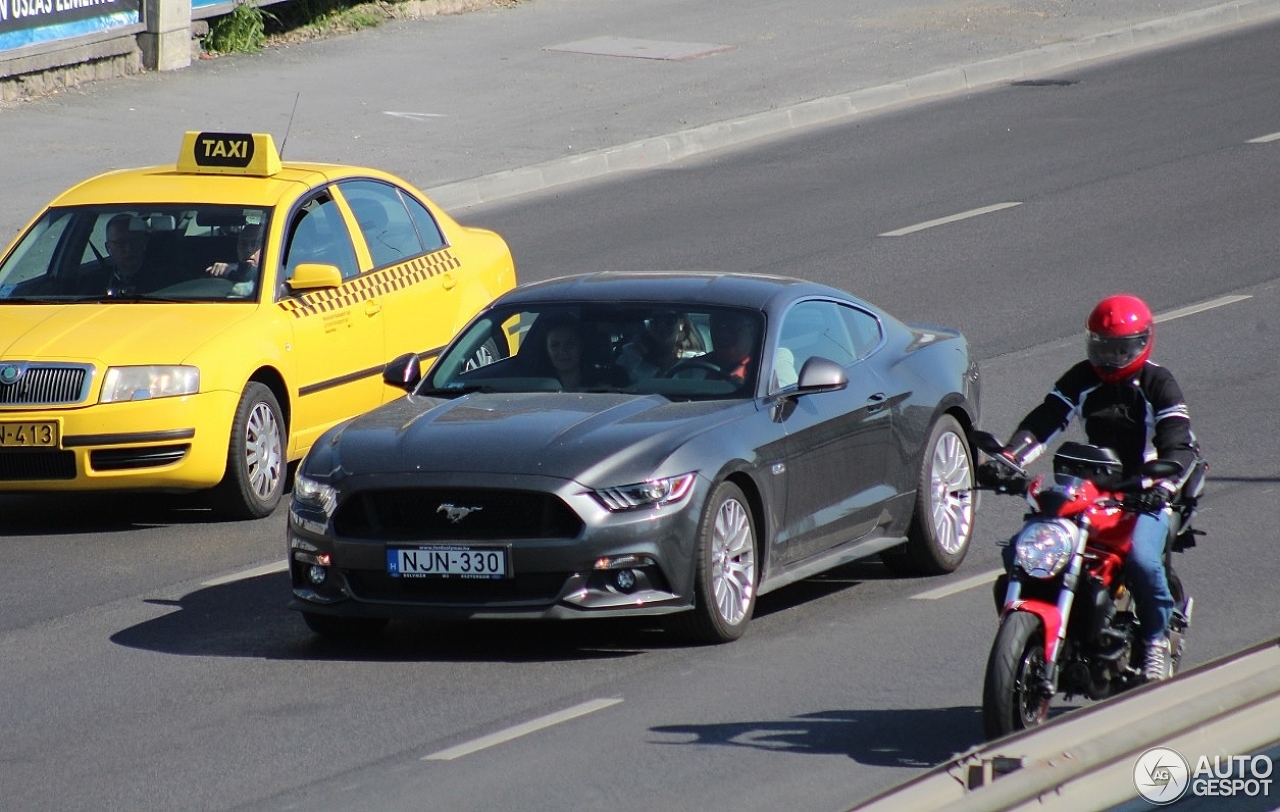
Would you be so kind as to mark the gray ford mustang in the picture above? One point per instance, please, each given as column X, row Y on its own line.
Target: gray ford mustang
column 640, row 444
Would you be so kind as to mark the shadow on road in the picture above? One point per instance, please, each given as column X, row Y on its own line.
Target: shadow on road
column 911, row 738
column 249, row 618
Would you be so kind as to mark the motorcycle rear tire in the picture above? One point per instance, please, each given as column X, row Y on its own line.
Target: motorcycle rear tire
column 1011, row 696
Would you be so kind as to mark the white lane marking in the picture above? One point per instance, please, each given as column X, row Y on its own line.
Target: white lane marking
column 941, row 221
column 414, row 116
column 523, row 729
column 265, row 569
column 958, row 586
column 1200, row 308
column 1264, row 139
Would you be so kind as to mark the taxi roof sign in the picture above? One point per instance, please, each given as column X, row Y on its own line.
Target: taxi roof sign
column 229, row 154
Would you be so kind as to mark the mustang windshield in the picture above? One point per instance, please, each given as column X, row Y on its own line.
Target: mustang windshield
column 137, row 253
column 678, row 351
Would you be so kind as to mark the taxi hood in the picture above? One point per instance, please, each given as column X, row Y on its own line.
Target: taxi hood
column 113, row 334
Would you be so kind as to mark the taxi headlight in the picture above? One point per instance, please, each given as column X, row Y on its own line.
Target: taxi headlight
column 1044, row 548
column 312, row 493
column 655, row 492
column 143, row 383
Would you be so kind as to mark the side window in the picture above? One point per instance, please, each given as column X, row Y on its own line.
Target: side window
column 428, row 230
column 384, row 221
column 863, row 328
column 810, row 329
column 318, row 234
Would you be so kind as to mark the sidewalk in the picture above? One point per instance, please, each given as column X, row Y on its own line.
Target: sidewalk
column 484, row 105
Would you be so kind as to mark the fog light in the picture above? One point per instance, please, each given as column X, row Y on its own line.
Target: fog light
column 316, row 574
column 625, row 580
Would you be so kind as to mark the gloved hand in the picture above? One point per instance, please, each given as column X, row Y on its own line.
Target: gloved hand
column 998, row 477
column 1151, row 500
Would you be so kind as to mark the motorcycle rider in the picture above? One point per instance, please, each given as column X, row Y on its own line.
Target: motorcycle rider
column 1135, row 407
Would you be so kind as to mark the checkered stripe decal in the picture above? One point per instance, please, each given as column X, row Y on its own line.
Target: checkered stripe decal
column 387, row 280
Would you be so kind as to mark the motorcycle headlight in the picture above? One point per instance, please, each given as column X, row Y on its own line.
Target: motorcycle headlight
column 315, row 494
column 655, row 492
column 143, row 383
column 1044, row 548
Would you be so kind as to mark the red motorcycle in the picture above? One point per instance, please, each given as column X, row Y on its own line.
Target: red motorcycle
column 1067, row 622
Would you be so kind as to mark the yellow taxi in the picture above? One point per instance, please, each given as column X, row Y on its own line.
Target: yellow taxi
column 195, row 327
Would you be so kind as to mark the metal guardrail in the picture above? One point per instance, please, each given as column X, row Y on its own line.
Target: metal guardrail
column 1085, row 759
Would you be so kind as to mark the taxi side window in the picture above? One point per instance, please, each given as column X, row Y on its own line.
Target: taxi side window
column 428, row 230
column 383, row 220
column 319, row 234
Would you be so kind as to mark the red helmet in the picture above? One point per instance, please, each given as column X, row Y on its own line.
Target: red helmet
column 1121, row 334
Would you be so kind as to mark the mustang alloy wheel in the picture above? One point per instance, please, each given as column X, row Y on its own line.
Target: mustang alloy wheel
column 942, row 524
column 725, row 578
column 254, row 481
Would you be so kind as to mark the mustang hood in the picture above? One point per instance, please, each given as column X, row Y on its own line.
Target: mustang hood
column 592, row 438
column 111, row 333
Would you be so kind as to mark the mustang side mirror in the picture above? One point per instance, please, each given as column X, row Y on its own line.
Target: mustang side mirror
column 821, row 375
column 403, row 372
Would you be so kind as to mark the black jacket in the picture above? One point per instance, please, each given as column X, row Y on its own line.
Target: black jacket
column 1140, row 419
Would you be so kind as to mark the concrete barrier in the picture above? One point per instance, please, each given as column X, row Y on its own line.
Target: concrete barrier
column 1086, row 759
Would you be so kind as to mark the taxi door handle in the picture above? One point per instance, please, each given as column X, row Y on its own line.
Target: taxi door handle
column 448, row 281
column 372, row 308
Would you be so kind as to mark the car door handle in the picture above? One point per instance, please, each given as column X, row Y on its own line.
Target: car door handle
column 448, row 281
column 372, row 307
column 876, row 402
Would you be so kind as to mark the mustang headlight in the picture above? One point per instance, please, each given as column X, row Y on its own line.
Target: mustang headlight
column 653, row 493
column 143, row 383
column 1044, row 548
column 315, row 494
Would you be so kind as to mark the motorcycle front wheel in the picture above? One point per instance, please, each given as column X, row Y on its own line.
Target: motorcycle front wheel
column 1012, row 698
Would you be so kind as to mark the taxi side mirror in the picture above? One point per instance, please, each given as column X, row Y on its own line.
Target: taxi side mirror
column 314, row 275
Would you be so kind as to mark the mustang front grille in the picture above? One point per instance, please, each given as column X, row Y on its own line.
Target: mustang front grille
column 51, row 385
column 454, row 514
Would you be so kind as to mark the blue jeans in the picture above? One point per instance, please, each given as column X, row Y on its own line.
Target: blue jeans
column 1145, row 568
column 1147, row 576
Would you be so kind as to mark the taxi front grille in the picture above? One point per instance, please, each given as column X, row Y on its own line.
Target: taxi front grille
column 45, row 385
column 31, row 466
column 454, row 514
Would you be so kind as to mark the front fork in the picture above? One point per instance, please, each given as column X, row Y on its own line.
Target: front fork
column 1053, row 616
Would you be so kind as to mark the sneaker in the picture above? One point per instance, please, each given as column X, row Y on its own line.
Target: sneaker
column 1156, row 666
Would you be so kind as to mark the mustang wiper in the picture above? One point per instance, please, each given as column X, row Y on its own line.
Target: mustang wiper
column 455, row 391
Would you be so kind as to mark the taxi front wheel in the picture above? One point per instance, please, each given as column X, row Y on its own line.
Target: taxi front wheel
column 254, row 481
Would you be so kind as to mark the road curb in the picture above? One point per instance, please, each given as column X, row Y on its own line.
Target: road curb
column 1024, row 65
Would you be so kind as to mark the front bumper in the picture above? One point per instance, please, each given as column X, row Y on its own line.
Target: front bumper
column 637, row 562
column 175, row 443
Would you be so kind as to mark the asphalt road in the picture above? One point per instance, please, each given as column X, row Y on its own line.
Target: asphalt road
column 147, row 665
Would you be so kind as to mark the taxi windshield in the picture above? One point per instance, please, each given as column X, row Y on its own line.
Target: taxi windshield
column 170, row 253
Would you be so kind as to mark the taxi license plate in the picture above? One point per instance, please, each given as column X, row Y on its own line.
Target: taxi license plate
column 447, row 561
column 29, row 435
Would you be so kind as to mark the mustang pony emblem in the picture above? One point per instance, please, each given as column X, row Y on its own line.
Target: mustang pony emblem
column 454, row 513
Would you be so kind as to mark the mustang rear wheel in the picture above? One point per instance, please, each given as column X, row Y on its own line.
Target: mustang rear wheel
column 942, row 523
column 725, row 569
column 254, row 482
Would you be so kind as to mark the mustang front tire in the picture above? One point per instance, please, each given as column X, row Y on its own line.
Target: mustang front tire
column 725, row 570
